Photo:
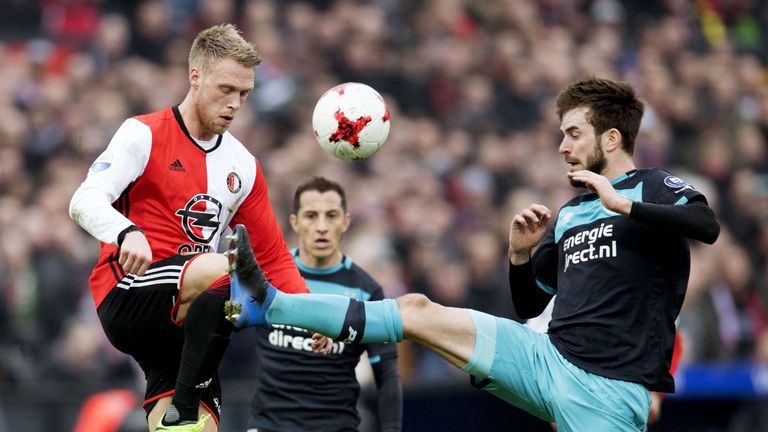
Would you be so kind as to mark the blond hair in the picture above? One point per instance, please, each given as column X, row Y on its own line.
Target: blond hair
column 219, row 42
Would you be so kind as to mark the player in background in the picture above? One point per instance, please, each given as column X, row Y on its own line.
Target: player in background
column 297, row 390
column 617, row 257
column 158, row 199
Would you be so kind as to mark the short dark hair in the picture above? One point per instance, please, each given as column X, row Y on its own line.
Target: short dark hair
column 320, row 184
column 612, row 104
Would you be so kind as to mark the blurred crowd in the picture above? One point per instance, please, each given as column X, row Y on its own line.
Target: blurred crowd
column 470, row 85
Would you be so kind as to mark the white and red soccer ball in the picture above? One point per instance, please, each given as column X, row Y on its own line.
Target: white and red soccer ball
column 351, row 121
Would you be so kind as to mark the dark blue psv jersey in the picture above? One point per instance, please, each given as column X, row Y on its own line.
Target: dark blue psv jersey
column 298, row 390
column 620, row 282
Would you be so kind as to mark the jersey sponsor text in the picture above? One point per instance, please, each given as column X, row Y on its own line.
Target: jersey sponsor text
column 591, row 251
column 279, row 338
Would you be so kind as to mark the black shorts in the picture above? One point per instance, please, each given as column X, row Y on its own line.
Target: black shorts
column 138, row 317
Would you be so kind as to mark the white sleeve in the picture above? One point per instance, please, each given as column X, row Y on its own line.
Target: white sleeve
column 121, row 163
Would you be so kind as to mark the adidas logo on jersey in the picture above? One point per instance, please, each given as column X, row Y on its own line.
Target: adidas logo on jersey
column 176, row 166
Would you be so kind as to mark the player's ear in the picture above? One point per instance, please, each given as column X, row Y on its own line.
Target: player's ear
column 612, row 139
column 294, row 223
column 347, row 221
column 194, row 78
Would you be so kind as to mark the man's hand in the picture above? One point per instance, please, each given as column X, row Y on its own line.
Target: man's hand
column 321, row 344
column 135, row 254
column 525, row 232
column 655, row 411
column 604, row 189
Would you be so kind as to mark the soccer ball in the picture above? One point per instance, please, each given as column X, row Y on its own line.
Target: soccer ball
column 351, row 121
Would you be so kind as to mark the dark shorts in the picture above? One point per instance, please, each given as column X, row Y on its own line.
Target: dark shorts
column 138, row 317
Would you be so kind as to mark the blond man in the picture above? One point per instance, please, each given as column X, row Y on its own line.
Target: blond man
column 158, row 199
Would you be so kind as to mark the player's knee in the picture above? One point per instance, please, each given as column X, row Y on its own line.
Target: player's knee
column 416, row 303
column 201, row 273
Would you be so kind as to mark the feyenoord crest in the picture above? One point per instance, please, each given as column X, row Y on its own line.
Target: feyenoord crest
column 233, row 182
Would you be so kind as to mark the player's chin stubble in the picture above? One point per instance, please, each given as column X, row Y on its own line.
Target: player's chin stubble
column 595, row 162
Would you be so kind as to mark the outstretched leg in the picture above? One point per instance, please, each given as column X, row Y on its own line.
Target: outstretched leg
column 447, row 331
column 256, row 302
column 450, row 332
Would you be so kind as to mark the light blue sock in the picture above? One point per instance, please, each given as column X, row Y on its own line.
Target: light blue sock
column 322, row 313
column 382, row 322
column 338, row 317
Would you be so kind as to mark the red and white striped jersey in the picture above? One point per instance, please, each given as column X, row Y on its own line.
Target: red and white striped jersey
column 183, row 194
